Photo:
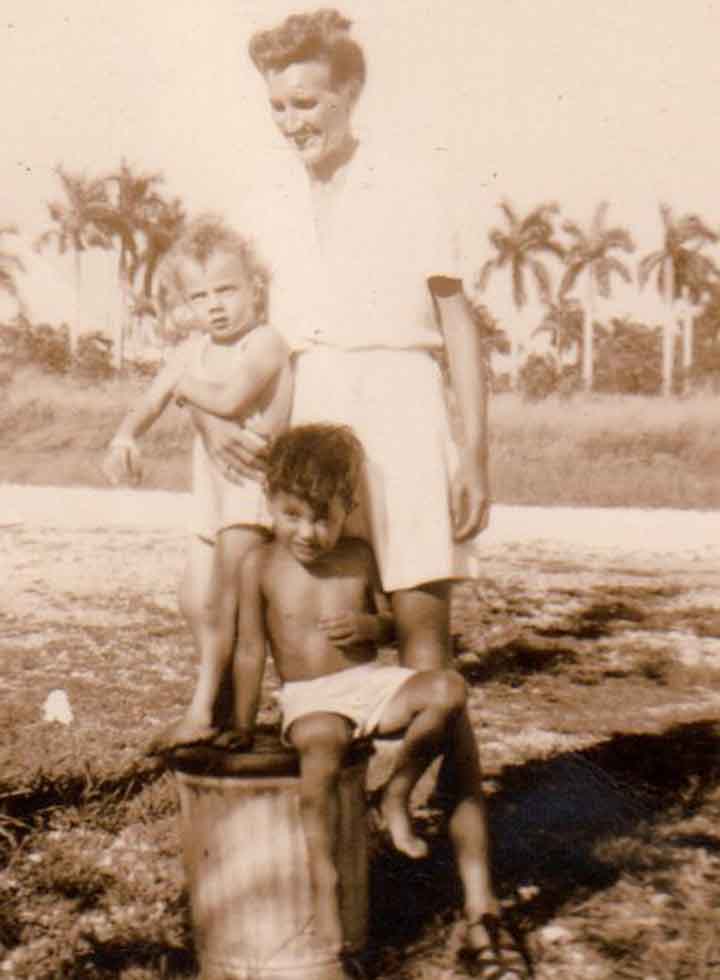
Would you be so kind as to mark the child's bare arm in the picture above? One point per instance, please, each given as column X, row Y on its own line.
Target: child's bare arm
column 250, row 650
column 375, row 624
column 264, row 356
column 122, row 460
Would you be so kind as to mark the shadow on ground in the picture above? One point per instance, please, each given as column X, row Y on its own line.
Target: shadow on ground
column 548, row 821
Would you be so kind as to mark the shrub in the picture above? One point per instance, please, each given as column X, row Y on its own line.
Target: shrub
column 539, row 377
column 93, row 357
column 628, row 359
column 48, row 347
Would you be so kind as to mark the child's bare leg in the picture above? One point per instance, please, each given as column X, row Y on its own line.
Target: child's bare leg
column 197, row 588
column 321, row 740
column 427, row 707
column 208, row 600
column 422, row 622
column 233, row 544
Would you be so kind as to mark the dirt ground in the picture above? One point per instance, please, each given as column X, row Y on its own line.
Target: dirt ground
column 591, row 645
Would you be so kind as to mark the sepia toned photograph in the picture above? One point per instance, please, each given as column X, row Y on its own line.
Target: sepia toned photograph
column 359, row 490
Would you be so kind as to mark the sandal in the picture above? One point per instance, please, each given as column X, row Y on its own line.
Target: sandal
column 503, row 956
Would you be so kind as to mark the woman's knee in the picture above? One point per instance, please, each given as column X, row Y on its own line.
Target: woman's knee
column 449, row 691
column 422, row 622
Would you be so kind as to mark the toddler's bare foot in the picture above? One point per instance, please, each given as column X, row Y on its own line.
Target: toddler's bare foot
column 235, row 740
column 181, row 734
column 396, row 819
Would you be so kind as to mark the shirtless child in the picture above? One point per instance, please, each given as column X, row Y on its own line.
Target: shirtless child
column 315, row 596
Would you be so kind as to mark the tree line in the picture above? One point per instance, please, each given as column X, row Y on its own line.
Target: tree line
column 128, row 211
column 592, row 259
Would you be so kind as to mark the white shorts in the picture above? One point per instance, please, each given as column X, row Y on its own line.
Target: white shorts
column 218, row 503
column 359, row 694
column 394, row 401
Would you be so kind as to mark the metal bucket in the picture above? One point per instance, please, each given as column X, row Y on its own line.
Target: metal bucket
column 247, row 868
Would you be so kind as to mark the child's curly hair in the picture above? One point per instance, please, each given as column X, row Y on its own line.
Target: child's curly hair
column 315, row 463
column 206, row 236
column 323, row 35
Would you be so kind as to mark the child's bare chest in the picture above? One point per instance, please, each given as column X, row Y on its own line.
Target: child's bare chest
column 313, row 597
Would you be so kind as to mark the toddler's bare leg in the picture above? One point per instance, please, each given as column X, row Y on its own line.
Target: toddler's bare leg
column 426, row 706
column 209, row 601
column 321, row 740
column 422, row 621
column 197, row 588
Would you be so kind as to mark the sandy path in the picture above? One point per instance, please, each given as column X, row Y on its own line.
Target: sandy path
column 693, row 534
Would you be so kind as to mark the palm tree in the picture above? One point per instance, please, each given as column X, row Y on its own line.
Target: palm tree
column 680, row 268
column 518, row 249
column 77, row 225
column 161, row 228
column 9, row 265
column 589, row 256
column 131, row 201
column 563, row 323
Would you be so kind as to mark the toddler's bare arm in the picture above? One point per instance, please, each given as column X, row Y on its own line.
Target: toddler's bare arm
column 263, row 358
column 122, row 461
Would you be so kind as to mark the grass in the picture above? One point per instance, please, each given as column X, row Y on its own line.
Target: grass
column 619, row 451
column 600, row 753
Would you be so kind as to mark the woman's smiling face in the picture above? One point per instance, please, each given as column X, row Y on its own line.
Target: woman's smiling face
column 311, row 113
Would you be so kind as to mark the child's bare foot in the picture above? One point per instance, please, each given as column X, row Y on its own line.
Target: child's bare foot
column 181, row 734
column 235, row 740
column 396, row 820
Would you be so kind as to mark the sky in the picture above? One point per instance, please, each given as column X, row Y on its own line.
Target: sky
column 569, row 101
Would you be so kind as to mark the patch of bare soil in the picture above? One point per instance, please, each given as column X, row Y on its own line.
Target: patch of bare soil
column 595, row 696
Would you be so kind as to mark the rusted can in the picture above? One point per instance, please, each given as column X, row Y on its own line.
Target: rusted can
column 247, row 866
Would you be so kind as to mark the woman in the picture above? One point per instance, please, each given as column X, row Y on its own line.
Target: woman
column 374, row 306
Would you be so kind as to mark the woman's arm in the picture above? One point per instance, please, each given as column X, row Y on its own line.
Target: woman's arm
column 470, row 494
column 262, row 359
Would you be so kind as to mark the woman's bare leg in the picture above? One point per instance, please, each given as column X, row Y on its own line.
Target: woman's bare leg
column 422, row 618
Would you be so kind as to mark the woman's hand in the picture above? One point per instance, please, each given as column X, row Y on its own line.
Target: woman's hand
column 239, row 452
column 469, row 499
column 350, row 629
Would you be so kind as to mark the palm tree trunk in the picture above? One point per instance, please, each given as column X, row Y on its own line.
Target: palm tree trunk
column 75, row 327
column 688, row 325
column 588, row 326
column 121, row 323
column 668, row 335
column 514, row 366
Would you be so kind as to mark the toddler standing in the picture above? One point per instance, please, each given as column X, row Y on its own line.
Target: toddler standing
column 238, row 369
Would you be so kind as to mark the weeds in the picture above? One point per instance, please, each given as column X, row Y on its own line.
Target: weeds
column 589, row 451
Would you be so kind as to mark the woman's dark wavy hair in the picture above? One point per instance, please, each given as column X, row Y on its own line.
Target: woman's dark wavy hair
column 322, row 35
column 315, row 463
